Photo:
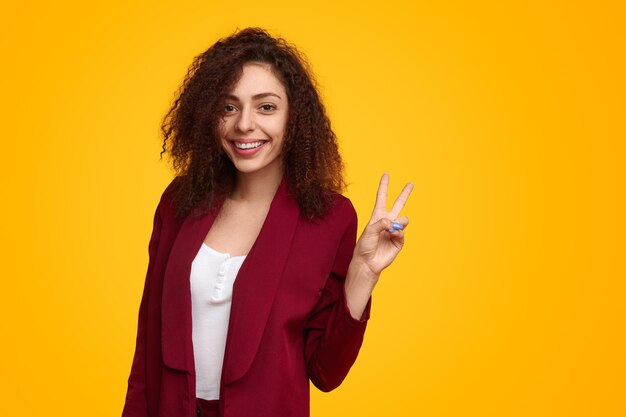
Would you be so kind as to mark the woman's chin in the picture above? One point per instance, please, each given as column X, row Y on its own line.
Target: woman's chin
column 257, row 167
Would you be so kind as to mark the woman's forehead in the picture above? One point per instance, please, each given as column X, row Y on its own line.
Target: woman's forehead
column 258, row 78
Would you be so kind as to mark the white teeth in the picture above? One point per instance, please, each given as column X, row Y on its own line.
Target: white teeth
column 249, row 145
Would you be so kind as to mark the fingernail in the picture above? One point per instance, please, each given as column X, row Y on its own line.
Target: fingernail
column 392, row 230
column 397, row 225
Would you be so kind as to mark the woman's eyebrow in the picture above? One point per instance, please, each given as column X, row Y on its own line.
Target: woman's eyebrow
column 255, row 97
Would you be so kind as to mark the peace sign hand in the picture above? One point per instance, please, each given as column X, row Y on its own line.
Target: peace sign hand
column 383, row 237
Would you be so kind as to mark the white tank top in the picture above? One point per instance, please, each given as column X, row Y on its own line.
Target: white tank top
column 212, row 276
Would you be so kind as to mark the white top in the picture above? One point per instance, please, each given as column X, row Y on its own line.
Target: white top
column 212, row 276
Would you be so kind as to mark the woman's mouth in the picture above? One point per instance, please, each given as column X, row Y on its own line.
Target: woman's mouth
column 248, row 147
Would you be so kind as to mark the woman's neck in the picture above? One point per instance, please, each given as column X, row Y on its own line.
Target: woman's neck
column 256, row 186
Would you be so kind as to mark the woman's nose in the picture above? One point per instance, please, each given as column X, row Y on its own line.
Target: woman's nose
column 245, row 122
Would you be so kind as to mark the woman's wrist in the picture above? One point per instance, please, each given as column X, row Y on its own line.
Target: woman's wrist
column 359, row 271
column 360, row 282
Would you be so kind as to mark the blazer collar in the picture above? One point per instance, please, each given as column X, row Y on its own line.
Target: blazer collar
column 253, row 291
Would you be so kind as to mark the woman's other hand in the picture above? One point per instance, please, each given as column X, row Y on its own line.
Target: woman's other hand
column 383, row 237
column 378, row 246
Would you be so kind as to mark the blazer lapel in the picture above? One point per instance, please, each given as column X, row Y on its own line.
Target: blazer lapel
column 253, row 290
column 176, row 325
column 256, row 284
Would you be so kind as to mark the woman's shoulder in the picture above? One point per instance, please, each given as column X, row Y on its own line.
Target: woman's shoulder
column 340, row 207
column 171, row 187
column 166, row 202
column 340, row 201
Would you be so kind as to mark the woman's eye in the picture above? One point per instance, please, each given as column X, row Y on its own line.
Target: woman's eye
column 229, row 108
column 268, row 107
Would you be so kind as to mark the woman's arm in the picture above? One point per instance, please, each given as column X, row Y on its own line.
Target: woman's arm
column 377, row 247
column 333, row 337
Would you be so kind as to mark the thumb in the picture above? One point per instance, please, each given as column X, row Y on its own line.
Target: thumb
column 382, row 224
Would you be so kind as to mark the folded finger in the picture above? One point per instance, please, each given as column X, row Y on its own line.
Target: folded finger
column 396, row 234
column 402, row 222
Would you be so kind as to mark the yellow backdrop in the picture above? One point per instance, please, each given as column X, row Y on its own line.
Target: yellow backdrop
column 509, row 299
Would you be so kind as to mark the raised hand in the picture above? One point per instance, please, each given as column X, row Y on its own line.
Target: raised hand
column 378, row 246
column 383, row 237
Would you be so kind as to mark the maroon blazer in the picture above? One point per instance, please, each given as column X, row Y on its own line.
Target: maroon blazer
column 289, row 322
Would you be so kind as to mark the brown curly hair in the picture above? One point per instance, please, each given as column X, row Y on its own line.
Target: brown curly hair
column 313, row 168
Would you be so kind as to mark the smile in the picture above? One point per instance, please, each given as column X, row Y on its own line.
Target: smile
column 248, row 145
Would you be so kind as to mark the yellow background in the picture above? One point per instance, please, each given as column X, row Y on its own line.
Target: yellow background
column 509, row 298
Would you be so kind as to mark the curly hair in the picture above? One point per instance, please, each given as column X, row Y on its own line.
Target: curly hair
column 313, row 168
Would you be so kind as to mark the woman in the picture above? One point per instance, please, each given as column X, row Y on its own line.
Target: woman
column 254, row 284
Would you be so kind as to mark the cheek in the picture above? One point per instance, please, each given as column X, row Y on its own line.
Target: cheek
column 226, row 148
column 281, row 127
column 222, row 134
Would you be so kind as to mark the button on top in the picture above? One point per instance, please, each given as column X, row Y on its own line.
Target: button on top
column 219, row 271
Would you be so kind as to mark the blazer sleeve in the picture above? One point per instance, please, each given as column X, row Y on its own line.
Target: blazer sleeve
column 136, row 404
column 333, row 337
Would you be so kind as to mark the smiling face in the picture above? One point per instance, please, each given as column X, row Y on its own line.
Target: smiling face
column 254, row 118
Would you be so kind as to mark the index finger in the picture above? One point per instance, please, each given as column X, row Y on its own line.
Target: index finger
column 398, row 205
column 381, row 195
